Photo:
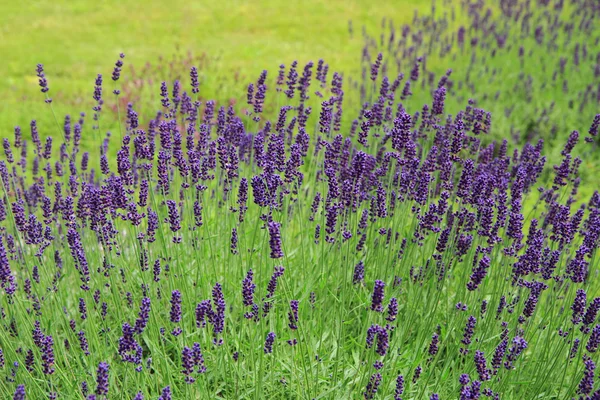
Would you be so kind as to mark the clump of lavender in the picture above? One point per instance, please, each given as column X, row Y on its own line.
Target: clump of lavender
column 440, row 202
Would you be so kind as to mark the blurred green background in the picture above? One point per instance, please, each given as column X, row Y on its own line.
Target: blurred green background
column 75, row 40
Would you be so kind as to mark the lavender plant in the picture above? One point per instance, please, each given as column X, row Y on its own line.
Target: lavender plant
column 222, row 253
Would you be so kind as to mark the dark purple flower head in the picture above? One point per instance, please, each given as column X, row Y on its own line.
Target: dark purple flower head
column 481, row 365
column 143, row 316
column 377, row 297
column 399, row 387
column 574, row 348
column 43, row 82
column 175, row 301
column 271, row 287
column 479, row 273
column 518, row 346
column 592, row 311
column 434, row 345
column 383, row 343
column 117, row 69
column 293, row 315
column 275, row 239
column 578, row 306
column 194, row 80
column 417, row 373
column 174, row 219
column 248, row 288
column 371, row 334
column 47, row 350
column 102, row 379
column 268, row 348
column 468, row 333
column 438, row 101
column 19, row 393
column 165, row 394
column 594, row 127
column 594, row 340
column 359, row 273
column 83, row 343
column 587, row 382
column 392, row 309
column 187, row 364
column 375, row 67
column 218, row 319
column 372, row 386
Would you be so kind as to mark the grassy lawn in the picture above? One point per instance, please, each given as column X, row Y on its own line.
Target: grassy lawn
column 75, row 40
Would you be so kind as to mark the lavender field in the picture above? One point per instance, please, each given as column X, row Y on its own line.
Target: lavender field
column 424, row 228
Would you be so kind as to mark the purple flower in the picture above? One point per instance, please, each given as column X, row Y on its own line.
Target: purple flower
column 481, row 365
column 587, row 382
column 117, row 70
column 399, row 387
column 275, row 239
column 142, row 320
column 359, row 273
column 174, row 219
column 464, row 184
column 47, row 350
column 519, row 345
column 271, row 287
column 82, row 309
column 468, row 334
column 293, row 315
column 83, row 343
column 434, row 345
column 578, row 306
column 129, row 349
column 591, row 313
column 234, row 241
column 218, row 319
column 392, row 310
column 268, row 348
column 371, row 333
column 594, row 340
column 43, row 82
column 417, row 374
column 102, row 379
column 479, row 273
column 165, row 394
column 175, row 301
column 377, row 297
column 203, row 311
column 248, row 288
column 383, row 343
column 198, row 358
column 372, row 386
column 19, row 393
column 438, row 101
column 187, row 363
column 574, row 348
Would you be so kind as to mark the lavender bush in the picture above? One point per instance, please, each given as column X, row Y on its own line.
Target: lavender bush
column 223, row 252
column 535, row 63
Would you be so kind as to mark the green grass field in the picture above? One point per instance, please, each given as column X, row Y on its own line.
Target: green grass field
column 76, row 40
